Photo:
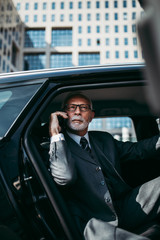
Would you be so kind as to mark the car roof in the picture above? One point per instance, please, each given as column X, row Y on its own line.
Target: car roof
column 40, row 76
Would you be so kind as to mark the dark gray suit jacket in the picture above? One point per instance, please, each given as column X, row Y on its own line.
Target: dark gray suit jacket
column 85, row 181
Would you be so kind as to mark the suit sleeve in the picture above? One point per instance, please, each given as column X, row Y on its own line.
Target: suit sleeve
column 61, row 163
column 144, row 149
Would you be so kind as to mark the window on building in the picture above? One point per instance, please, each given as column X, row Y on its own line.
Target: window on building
column 125, row 28
column 60, row 60
column 34, row 61
column 106, row 16
column 1, row 43
column 13, row 32
column 18, row 6
column 9, row 39
column 88, row 29
column 107, row 29
column 116, row 29
column 26, row 18
column 89, row 42
column 35, row 38
column 125, row 16
column 133, row 3
column 17, row 36
column 4, row 66
column 97, row 16
column 124, row 3
column 4, row 49
column 88, row 4
column 9, row 7
column 62, row 17
column 125, row 41
column 14, row 55
column 134, row 41
column 44, row 5
column 106, row 4
column 44, row 18
column 107, row 54
column 5, row 34
column 35, row 6
column 52, row 17
column 70, row 17
column 89, row 59
column 79, row 5
column 61, row 37
column 8, row 55
column 62, row 5
column 79, row 42
column 88, row 17
column 134, row 28
column 17, row 19
column 115, row 4
column 97, row 4
column 107, row 41
column 133, row 15
column 116, row 54
column 27, row 6
column 79, row 29
column 35, row 18
column 53, row 5
column 71, row 5
column 126, row 54
column 79, row 17
column 98, row 29
column 8, row 68
column 135, row 54
column 116, row 41
column 98, row 41
column 116, row 16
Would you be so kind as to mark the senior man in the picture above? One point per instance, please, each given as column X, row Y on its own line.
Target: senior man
column 86, row 165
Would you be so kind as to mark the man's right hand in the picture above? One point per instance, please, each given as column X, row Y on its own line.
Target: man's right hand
column 54, row 126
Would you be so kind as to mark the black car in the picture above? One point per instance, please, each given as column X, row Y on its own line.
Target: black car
column 30, row 204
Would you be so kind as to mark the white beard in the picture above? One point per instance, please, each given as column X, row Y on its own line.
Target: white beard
column 77, row 126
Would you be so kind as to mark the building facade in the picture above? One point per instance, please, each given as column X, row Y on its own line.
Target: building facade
column 72, row 33
column 11, row 37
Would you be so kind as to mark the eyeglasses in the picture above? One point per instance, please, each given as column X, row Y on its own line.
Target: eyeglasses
column 73, row 107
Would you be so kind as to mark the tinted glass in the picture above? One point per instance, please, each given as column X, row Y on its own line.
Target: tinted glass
column 121, row 128
column 12, row 102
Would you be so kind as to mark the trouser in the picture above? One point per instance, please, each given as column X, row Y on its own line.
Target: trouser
column 140, row 206
column 99, row 230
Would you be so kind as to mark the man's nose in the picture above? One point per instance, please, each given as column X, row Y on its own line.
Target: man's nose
column 77, row 111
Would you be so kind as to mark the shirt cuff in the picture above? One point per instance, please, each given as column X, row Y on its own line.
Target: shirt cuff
column 158, row 144
column 56, row 138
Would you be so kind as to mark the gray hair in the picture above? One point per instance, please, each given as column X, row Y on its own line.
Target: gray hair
column 76, row 94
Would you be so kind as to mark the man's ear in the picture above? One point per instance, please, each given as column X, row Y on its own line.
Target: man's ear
column 92, row 115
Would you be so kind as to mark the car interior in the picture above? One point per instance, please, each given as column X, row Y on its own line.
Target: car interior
column 110, row 100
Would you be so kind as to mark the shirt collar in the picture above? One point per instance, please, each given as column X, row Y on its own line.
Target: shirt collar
column 77, row 138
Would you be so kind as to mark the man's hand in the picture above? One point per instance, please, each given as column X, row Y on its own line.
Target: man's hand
column 54, row 126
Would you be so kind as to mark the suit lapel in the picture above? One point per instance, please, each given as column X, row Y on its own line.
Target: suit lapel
column 103, row 159
column 77, row 150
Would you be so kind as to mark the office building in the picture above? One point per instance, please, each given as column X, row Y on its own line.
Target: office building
column 71, row 33
column 11, row 37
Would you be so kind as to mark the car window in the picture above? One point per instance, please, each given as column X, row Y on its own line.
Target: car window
column 4, row 97
column 12, row 101
column 121, row 128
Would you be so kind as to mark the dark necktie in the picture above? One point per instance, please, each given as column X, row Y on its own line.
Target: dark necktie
column 84, row 144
